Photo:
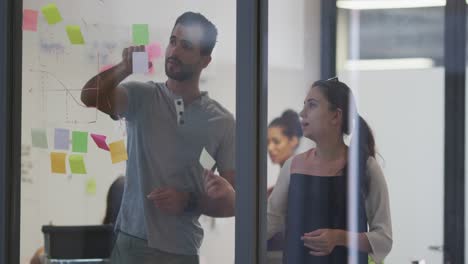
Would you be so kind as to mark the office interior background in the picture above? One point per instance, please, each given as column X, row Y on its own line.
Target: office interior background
column 404, row 60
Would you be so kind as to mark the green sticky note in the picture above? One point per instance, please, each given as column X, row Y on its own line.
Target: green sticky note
column 91, row 186
column 51, row 14
column 140, row 34
column 39, row 138
column 75, row 36
column 80, row 141
column 77, row 165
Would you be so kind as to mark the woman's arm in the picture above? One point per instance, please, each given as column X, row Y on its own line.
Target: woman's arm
column 278, row 200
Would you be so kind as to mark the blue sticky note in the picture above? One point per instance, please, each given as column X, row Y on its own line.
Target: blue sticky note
column 62, row 139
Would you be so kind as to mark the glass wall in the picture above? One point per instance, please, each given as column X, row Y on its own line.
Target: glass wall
column 293, row 64
column 391, row 55
column 156, row 134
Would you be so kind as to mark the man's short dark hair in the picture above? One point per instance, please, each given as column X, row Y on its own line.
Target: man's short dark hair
column 210, row 33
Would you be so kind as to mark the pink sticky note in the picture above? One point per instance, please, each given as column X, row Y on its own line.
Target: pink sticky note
column 106, row 67
column 154, row 50
column 30, row 20
column 100, row 141
column 151, row 71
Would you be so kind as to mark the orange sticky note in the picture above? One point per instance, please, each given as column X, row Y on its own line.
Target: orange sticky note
column 118, row 151
column 57, row 162
column 30, row 20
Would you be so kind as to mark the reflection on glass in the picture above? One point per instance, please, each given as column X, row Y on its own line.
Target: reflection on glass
column 174, row 143
column 392, row 57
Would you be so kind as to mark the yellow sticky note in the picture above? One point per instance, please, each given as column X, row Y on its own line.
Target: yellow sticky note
column 57, row 162
column 118, row 151
column 51, row 14
column 77, row 165
column 91, row 186
column 75, row 36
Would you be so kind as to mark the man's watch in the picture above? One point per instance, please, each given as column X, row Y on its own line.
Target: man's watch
column 192, row 203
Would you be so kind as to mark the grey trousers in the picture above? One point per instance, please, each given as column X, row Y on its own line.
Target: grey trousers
column 133, row 250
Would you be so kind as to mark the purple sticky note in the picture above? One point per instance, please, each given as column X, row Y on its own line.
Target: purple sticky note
column 62, row 139
column 30, row 20
column 100, row 141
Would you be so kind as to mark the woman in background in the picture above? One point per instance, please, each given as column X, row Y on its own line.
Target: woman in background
column 310, row 198
column 284, row 135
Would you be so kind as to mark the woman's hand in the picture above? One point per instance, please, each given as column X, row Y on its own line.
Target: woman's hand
column 321, row 242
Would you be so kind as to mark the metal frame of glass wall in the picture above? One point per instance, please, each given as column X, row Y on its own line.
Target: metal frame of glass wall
column 251, row 121
column 10, row 128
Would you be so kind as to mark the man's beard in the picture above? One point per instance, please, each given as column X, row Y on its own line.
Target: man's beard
column 185, row 73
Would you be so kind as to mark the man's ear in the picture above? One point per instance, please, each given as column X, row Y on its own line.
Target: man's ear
column 206, row 61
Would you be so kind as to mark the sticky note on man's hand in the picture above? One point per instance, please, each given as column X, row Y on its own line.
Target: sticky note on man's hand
column 77, row 165
column 51, row 14
column 75, row 35
column 206, row 160
column 140, row 62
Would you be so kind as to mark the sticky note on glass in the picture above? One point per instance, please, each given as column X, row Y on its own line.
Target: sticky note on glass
column 100, row 141
column 106, row 67
column 39, row 138
column 62, row 139
column 30, row 20
column 140, row 62
column 57, row 162
column 91, row 186
column 51, row 14
column 206, row 160
column 118, row 151
column 140, row 34
column 75, row 35
column 77, row 165
column 154, row 50
column 80, row 141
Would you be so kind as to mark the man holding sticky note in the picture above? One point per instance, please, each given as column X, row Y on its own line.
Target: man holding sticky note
column 173, row 128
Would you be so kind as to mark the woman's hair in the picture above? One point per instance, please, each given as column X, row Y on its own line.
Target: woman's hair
column 289, row 124
column 114, row 199
column 340, row 96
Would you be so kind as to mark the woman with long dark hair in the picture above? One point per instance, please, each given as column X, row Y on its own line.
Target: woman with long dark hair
column 310, row 200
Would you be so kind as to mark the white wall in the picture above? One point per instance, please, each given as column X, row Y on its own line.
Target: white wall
column 405, row 108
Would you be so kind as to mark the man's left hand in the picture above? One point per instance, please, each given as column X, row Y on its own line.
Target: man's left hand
column 169, row 200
